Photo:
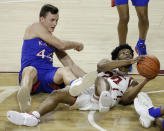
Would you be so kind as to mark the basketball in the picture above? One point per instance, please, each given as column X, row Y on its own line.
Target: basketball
column 149, row 67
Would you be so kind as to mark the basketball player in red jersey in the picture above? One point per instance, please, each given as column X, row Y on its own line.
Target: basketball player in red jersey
column 110, row 86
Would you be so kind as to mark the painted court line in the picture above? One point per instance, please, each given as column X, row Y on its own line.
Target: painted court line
column 92, row 122
column 151, row 92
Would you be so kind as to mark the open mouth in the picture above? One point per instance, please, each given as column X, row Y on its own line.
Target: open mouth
column 52, row 28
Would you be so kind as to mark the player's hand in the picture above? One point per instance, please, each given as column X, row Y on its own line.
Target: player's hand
column 79, row 46
column 138, row 59
column 148, row 79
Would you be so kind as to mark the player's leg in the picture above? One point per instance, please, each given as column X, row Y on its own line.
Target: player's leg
column 101, row 85
column 56, row 97
column 158, row 113
column 143, row 24
column 102, row 90
column 160, row 123
column 28, row 78
column 144, row 107
column 123, row 11
column 49, row 104
column 80, row 84
column 64, row 75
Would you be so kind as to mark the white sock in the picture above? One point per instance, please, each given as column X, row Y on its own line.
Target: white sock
column 36, row 114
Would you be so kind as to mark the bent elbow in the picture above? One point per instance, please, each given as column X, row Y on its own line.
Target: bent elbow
column 100, row 67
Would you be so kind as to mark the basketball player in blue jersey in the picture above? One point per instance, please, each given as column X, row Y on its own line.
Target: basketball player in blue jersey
column 141, row 7
column 147, row 112
column 37, row 73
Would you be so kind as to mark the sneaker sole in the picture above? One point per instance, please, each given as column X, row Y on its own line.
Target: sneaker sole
column 23, row 98
column 15, row 117
column 18, row 119
column 88, row 80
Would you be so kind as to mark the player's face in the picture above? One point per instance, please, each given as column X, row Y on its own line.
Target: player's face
column 50, row 21
column 125, row 54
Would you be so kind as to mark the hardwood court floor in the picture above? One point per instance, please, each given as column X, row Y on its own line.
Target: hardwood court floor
column 120, row 118
column 94, row 23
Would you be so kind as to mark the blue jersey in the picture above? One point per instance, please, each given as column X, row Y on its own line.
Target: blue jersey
column 37, row 53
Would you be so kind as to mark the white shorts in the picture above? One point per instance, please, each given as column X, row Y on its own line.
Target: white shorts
column 86, row 101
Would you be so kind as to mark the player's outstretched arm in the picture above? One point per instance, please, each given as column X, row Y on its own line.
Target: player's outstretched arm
column 66, row 60
column 107, row 65
column 39, row 31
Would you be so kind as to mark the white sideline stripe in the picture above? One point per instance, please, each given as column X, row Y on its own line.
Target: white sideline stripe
column 92, row 122
column 151, row 92
column 7, row 91
column 17, row 1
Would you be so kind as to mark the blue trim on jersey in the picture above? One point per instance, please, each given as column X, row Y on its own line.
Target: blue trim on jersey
column 134, row 2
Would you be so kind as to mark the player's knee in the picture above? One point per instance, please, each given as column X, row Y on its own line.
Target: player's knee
column 124, row 19
column 64, row 70
column 143, row 18
column 56, row 95
column 100, row 85
column 30, row 71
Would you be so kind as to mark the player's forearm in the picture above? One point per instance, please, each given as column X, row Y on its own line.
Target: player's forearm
column 67, row 61
column 106, row 65
column 77, row 71
column 132, row 92
column 69, row 45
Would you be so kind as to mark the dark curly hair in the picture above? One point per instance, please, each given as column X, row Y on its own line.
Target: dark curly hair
column 118, row 48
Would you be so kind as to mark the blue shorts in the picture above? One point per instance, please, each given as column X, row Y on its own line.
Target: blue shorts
column 45, row 81
column 134, row 2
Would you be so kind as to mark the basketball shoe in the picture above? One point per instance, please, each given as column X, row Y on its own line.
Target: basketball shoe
column 26, row 119
column 142, row 104
column 105, row 101
column 24, row 99
column 80, row 84
column 141, row 48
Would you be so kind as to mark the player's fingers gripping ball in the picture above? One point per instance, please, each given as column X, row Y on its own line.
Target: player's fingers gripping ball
column 149, row 67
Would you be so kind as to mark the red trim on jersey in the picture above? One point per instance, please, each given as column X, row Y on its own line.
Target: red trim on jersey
column 54, row 86
column 112, row 3
column 35, row 87
column 75, row 98
column 115, row 89
column 130, row 81
column 119, row 96
column 105, row 76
